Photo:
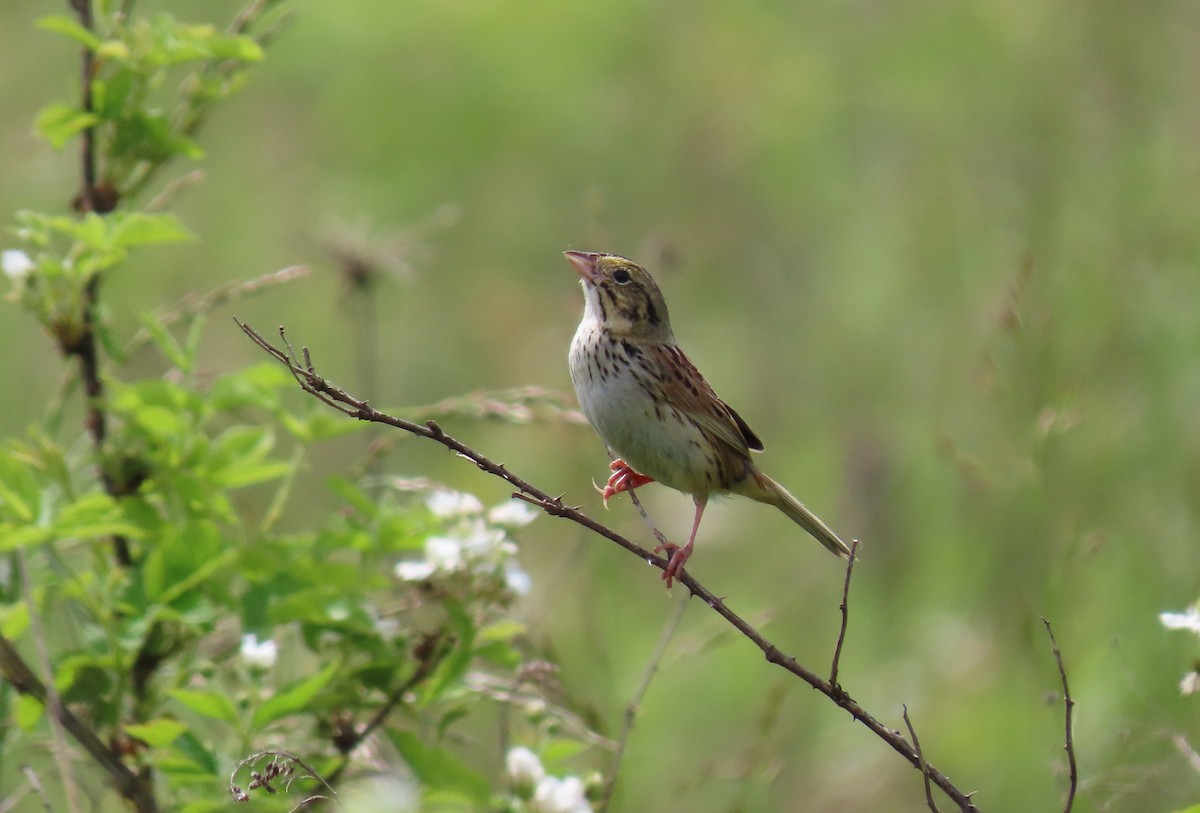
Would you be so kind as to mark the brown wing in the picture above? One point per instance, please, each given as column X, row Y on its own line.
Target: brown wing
column 687, row 391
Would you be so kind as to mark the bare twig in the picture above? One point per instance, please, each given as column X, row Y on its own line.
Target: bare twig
column 1069, row 705
column 635, row 702
column 1185, row 749
column 662, row 539
column 923, row 766
column 32, row 784
column 339, row 399
column 133, row 787
column 172, row 189
column 192, row 305
column 845, row 608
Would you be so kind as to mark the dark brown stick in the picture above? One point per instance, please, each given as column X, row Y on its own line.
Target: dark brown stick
column 87, row 195
column 845, row 608
column 314, row 384
column 924, row 766
column 130, row 785
column 1069, row 704
column 83, row 346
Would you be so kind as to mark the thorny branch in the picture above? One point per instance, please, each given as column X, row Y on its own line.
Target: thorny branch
column 306, row 376
column 1069, row 704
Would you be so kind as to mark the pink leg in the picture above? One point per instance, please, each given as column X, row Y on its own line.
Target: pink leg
column 623, row 479
column 677, row 555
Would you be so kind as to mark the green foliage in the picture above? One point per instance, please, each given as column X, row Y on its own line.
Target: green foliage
column 136, row 132
column 186, row 628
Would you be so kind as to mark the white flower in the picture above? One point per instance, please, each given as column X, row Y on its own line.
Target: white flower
column 414, row 571
column 479, row 541
column 445, row 504
column 524, row 769
column 1189, row 620
column 386, row 626
column 256, row 653
column 444, row 552
column 512, row 514
column 16, row 264
column 554, row 795
column 1190, row 683
column 470, row 542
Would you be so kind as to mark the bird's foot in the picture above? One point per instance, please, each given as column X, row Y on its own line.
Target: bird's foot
column 676, row 556
column 623, row 478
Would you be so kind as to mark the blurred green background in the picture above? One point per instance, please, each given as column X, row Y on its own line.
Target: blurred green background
column 943, row 257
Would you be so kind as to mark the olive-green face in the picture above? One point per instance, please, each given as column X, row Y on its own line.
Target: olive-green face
column 622, row 296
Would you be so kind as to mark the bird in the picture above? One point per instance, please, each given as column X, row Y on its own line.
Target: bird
column 653, row 409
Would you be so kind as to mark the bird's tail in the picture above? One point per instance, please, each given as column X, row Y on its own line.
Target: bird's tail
column 760, row 487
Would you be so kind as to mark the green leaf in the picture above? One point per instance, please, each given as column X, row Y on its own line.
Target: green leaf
column 238, row 457
column 158, row 732
column 448, row 674
column 28, row 712
column 557, row 752
column 257, row 386
column 214, row 705
column 14, row 620
column 113, row 49
column 110, row 95
column 22, row 536
column 293, row 699
column 440, row 770
column 19, row 490
column 193, row 758
column 504, row 630
column 160, row 422
column 237, row 46
column 185, row 558
column 69, row 27
column 139, row 229
column 165, row 342
column 352, row 494
column 198, row 576
column 59, row 123
column 91, row 516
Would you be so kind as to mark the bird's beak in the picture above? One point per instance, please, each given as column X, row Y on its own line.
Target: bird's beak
column 585, row 264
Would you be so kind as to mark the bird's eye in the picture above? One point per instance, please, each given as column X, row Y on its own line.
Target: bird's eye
column 621, row 276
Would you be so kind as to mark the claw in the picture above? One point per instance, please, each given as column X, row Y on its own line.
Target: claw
column 623, row 478
column 676, row 556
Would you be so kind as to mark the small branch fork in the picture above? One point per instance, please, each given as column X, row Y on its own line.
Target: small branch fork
column 306, row 376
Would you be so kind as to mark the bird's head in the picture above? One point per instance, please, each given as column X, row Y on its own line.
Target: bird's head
column 621, row 296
